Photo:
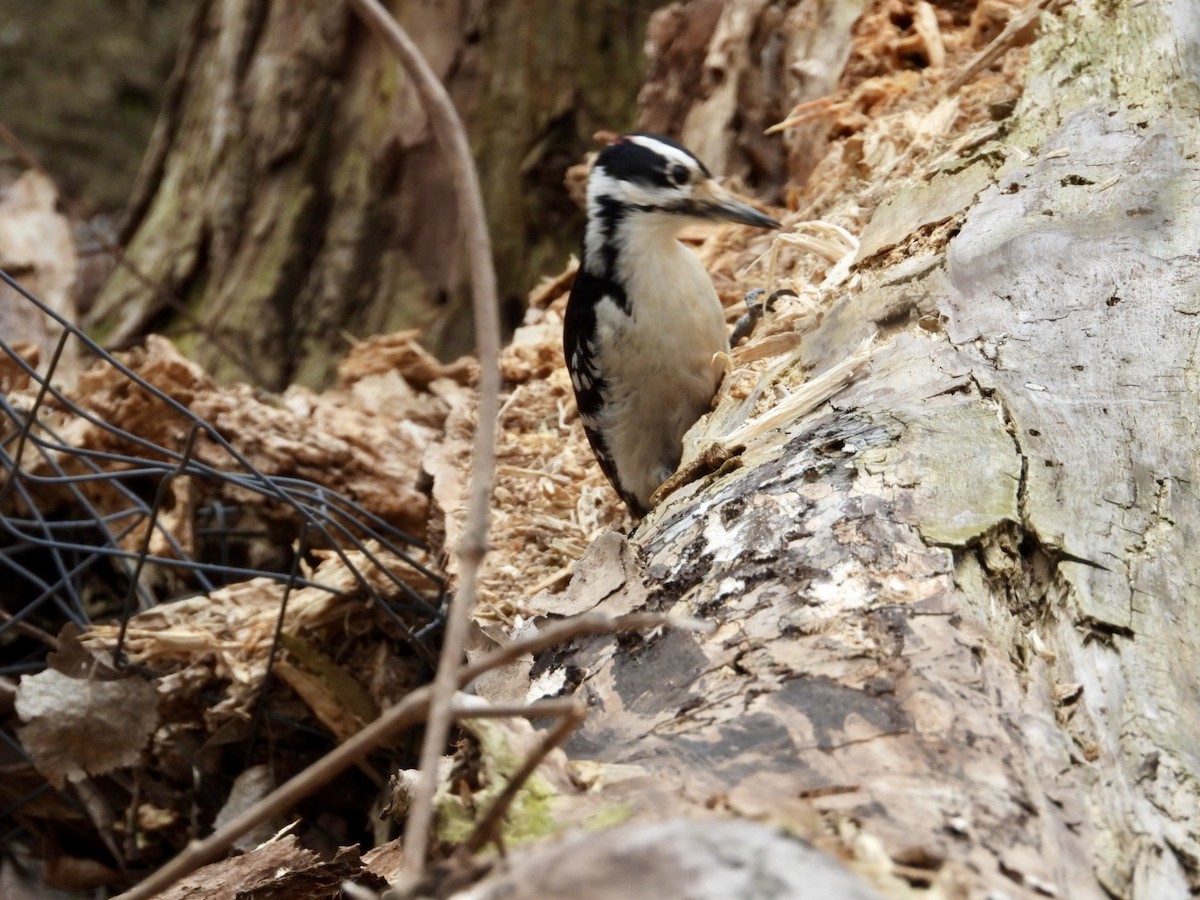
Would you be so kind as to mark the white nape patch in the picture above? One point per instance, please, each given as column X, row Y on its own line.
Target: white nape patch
column 630, row 194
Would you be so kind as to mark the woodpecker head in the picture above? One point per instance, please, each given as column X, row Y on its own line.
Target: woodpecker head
column 649, row 185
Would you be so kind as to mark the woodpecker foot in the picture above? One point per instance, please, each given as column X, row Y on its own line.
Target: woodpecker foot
column 748, row 321
column 715, row 461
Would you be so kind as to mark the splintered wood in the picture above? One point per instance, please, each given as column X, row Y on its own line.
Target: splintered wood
column 363, row 439
column 912, row 98
column 224, row 637
column 550, row 499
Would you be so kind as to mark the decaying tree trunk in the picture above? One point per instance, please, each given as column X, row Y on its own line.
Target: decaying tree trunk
column 294, row 196
column 957, row 608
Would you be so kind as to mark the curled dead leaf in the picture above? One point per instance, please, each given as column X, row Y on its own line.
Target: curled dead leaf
column 76, row 726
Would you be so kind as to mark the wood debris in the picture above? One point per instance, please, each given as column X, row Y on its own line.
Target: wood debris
column 224, row 637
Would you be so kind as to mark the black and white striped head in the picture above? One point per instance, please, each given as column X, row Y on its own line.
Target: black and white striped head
column 649, row 176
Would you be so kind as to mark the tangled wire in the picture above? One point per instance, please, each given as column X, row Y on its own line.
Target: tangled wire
column 94, row 532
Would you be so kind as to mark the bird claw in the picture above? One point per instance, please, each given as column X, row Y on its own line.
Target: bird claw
column 714, row 461
column 748, row 321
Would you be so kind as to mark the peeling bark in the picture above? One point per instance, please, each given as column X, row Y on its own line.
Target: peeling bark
column 954, row 607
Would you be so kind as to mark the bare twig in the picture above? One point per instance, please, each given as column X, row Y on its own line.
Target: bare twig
column 31, row 630
column 101, row 814
column 394, row 720
column 1000, row 44
column 452, row 137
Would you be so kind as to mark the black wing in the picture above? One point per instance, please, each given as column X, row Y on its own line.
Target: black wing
column 579, row 331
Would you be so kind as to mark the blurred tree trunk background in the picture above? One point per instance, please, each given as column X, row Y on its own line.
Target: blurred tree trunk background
column 82, row 91
column 293, row 198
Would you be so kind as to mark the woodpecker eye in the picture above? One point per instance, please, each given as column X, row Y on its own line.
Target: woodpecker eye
column 678, row 175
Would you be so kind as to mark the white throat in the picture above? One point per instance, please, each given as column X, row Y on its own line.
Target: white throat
column 640, row 242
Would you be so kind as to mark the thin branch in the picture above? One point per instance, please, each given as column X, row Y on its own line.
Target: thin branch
column 31, row 630
column 1000, row 44
column 407, row 712
column 450, row 134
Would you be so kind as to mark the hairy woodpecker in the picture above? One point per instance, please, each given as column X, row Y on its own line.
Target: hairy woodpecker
column 644, row 324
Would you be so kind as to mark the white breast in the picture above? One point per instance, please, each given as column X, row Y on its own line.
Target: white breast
column 658, row 361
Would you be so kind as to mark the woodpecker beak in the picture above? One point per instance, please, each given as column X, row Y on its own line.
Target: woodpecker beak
column 714, row 202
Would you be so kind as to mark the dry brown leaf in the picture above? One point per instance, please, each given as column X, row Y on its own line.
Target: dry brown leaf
column 76, row 726
column 278, row 870
column 609, row 565
column 332, row 699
